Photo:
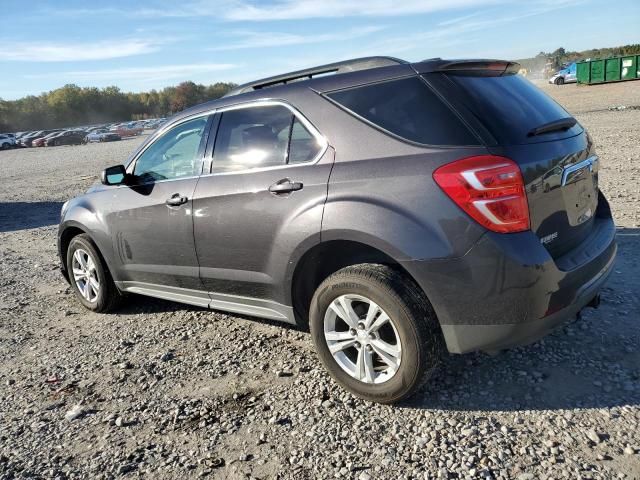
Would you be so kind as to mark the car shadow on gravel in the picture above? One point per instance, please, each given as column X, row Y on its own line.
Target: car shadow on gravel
column 16, row 216
column 593, row 362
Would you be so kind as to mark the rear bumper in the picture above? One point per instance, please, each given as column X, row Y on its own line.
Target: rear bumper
column 508, row 291
column 468, row 338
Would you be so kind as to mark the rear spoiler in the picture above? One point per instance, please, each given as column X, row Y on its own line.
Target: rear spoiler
column 489, row 67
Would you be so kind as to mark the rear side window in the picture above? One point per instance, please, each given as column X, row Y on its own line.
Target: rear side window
column 255, row 137
column 259, row 137
column 510, row 107
column 303, row 146
column 406, row 108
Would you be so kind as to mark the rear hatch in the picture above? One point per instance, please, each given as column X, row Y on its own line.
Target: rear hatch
column 554, row 153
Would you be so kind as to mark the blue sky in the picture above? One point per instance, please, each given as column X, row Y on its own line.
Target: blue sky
column 152, row 44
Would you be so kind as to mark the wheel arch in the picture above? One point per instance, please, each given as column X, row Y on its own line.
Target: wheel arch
column 71, row 228
column 326, row 258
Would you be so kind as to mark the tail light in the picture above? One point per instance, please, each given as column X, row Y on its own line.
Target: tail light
column 489, row 189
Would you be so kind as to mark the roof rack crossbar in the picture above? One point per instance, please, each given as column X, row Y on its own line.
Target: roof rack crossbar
column 308, row 73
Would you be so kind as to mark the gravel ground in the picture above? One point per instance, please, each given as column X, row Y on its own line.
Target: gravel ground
column 163, row 390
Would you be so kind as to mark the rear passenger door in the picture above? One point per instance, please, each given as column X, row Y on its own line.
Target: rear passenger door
column 262, row 200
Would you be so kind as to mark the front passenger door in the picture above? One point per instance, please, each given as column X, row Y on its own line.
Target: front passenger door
column 151, row 217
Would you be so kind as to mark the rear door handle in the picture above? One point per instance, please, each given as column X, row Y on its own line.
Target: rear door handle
column 285, row 186
column 176, row 200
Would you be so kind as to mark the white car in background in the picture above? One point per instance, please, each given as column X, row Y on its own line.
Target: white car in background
column 7, row 141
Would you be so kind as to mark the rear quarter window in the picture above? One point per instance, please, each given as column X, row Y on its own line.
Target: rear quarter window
column 407, row 108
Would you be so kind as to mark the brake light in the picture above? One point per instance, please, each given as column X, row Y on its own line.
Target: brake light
column 489, row 189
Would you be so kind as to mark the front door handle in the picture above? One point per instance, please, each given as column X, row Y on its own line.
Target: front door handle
column 285, row 186
column 176, row 200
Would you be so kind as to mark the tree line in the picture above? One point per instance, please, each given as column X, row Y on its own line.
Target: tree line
column 72, row 105
column 553, row 61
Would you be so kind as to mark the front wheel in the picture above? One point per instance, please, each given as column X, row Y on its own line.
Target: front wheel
column 375, row 332
column 89, row 277
column 560, row 81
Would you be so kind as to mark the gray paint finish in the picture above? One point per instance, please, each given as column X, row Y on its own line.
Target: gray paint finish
column 235, row 246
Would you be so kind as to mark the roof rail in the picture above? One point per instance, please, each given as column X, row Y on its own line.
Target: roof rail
column 353, row 65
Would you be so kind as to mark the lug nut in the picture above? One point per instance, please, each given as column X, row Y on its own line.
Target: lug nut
column 361, row 326
column 369, row 348
column 358, row 345
column 352, row 331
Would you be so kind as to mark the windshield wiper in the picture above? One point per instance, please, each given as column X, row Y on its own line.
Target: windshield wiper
column 562, row 124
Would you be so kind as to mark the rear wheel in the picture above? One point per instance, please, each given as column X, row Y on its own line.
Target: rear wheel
column 375, row 332
column 89, row 276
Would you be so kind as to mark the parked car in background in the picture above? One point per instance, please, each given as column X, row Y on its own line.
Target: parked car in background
column 26, row 140
column 387, row 207
column 565, row 75
column 40, row 141
column 7, row 141
column 101, row 135
column 126, row 130
column 68, row 137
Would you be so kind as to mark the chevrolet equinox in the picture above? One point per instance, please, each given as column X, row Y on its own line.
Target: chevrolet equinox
column 395, row 209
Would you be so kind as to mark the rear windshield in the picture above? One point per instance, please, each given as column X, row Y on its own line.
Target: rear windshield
column 406, row 108
column 510, row 107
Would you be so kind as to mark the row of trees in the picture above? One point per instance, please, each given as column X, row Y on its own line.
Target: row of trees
column 553, row 61
column 72, row 105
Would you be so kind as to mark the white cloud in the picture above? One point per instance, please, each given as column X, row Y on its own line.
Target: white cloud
column 298, row 9
column 147, row 74
column 251, row 39
column 74, row 52
column 261, row 11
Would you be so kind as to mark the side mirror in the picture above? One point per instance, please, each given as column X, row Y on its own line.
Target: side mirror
column 113, row 175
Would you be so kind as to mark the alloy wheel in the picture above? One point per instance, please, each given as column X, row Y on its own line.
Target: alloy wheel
column 362, row 339
column 85, row 275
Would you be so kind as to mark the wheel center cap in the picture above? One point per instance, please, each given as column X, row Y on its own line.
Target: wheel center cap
column 362, row 335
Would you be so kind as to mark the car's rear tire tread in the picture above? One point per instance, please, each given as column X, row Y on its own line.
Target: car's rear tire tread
column 403, row 291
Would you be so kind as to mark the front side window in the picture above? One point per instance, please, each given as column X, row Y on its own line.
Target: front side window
column 174, row 154
column 259, row 137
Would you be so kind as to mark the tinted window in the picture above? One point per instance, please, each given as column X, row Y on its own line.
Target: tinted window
column 174, row 154
column 264, row 136
column 510, row 107
column 407, row 108
column 303, row 146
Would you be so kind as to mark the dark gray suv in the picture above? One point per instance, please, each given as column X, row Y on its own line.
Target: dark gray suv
column 394, row 208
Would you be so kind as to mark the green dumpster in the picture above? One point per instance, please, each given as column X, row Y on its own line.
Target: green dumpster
column 614, row 69
column 629, row 68
column 597, row 71
column 583, row 72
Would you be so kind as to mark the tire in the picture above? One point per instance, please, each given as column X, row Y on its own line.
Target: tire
column 413, row 327
column 5, row 146
column 560, row 81
column 108, row 296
